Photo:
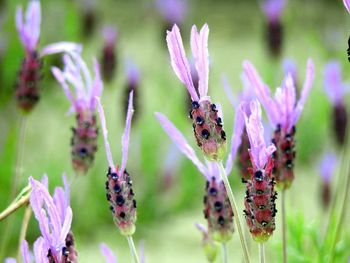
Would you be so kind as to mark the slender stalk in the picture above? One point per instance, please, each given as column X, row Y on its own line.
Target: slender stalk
column 235, row 211
column 344, row 205
column 262, row 252
column 284, row 227
column 14, row 206
column 19, row 156
column 224, row 253
column 22, row 236
column 133, row 249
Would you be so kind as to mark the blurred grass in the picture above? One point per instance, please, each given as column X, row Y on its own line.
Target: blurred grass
column 166, row 218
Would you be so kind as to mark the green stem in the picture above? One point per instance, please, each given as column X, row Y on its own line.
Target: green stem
column 224, row 253
column 262, row 252
column 14, row 206
column 22, row 236
column 133, row 249
column 284, row 226
column 235, row 211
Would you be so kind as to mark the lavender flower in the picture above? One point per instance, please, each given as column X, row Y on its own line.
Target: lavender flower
column 260, row 208
column 108, row 254
column 335, row 90
column 326, row 168
column 109, row 58
column 283, row 112
column 119, row 185
column 83, row 103
column 27, row 92
column 217, row 211
column 133, row 84
column 208, row 131
column 172, row 11
column 211, row 248
column 273, row 10
column 54, row 216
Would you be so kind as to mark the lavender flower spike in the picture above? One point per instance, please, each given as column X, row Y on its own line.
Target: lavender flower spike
column 54, row 218
column 273, row 9
column 108, row 254
column 119, row 185
column 207, row 124
column 83, row 103
column 173, row 11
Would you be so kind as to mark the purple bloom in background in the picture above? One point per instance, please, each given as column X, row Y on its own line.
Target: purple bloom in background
column 108, row 254
column 119, row 185
column 260, row 208
column 83, row 103
column 109, row 57
column 327, row 168
column 283, row 112
column 217, row 210
column 172, row 11
column 207, row 124
column 274, row 34
column 335, row 90
column 27, row 89
column 54, row 216
column 132, row 73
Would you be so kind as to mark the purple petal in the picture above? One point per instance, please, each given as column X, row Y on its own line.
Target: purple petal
column 273, row 9
column 40, row 250
column 109, row 35
column 97, row 86
column 172, row 10
column 327, row 166
column 126, row 134
column 61, row 47
column 66, row 224
column 199, row 46
column 179, row 140
column 25, row 252
column 58, row 74
column 132, row 72
column 236, row 139
column 213, row 170
column 310, row 74
column 105, row 133
column 107, row 253
column 333, row 84
column 347, row 5
column 60, row 202
column 262, row 91
column 289, row 67
column 179, row 61
column 33, row 20
column 10, row 260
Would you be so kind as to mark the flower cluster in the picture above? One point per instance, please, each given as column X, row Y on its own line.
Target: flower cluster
column 260, row 208
column 119, row 185
column 83, row 103
column 283, row 112
column 207, row 124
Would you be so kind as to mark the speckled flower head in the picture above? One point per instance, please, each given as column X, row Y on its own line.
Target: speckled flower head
column 207, row 124
column 54, row 216
column 283, row 109
column 273, row 9
column 217, row 209
column 83, row 102
column 119, row 185
column 173, row 11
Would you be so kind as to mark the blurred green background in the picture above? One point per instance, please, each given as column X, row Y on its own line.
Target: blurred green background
column 169, row 189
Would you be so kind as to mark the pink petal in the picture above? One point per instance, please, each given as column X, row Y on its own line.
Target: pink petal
column 199, row 46
column 97, row 86
column 179, row 61
column 25, row 252
column 105, row 133
column 58, row 74
column 347, row 5
column 107, row 253
column 61, row 47
column 126, row 134
column 180, row 141
column 32, row 26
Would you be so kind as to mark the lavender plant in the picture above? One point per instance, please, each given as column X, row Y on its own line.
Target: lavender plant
column 119, row 185
column 326, row 170
column 83, row 104
column 109, row 55
column 335, row 90
column 274, row 33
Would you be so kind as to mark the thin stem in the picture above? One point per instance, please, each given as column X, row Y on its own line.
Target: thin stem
column 19, row 156
column 133, row 249
column 22, row 236
column 235, row 211
column 284, row 227
column 262, row 252
column 14, row 206
column 224, row 253
column 344, row 205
